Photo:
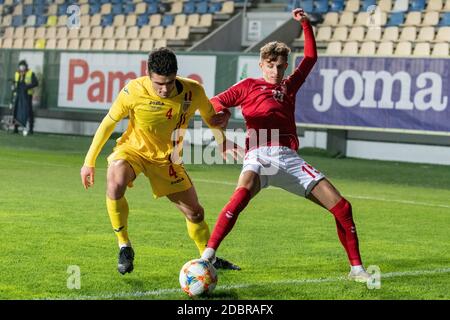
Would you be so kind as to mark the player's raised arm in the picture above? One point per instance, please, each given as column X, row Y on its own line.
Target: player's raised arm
column 309, row 54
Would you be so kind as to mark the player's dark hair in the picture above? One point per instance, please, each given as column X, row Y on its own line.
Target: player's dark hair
column 162, row 61
column 23, row 63
column 273, row 50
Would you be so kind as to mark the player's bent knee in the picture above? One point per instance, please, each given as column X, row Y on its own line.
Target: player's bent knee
column 195, row 216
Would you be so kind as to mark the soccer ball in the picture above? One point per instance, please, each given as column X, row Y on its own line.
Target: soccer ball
column 197, row 277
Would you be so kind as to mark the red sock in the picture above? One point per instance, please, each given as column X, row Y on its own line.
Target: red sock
column 346, row 229
column 228, row 216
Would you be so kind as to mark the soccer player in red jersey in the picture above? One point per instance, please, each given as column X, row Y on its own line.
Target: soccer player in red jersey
column 268, row 106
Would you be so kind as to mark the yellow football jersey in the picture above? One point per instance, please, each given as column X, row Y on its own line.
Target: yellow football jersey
column 154, row 121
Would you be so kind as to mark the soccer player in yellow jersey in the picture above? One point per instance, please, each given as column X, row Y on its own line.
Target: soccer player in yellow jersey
column 159, row 107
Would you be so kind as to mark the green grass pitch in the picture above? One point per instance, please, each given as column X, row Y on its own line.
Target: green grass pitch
column 287, row 247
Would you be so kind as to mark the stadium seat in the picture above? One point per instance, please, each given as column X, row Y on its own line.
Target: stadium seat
column 17, row 21
column 132, row 32
column 117, row 9
column 396, row 19
column 443, row 34
column 413, row 18
column 426, row 34
column 385, row 48
column 7, row 20
column 40, row 32
column 61, row 33
column 321, row 6
column 334, row 48
column 50, row 44
column 422, row 49
column 385, row 5
column 352, row 5
column 96, row 33
column 28, row 44
column 62, row 44
column 331, row 19
column 107, row 20
column 362, row 19
column 368, row 48
column 147, row 45
column 85, row 32
column 183, row 33
column 350, row 48
column 337, row 6
column 106, row 8
column 160, row 43
column 400, row 6
column 307, row 5
column 7, row 43
column 367, row 4
column 145, row 32
column 180, row 20
column 431, row 18
column 131, row 20
column 52, row 11
column 62, row 21
column 94, row 8
column 29, row 33
column 356, row 34
column 119, row 20
column 96, row 19
column 201, row 7
column 134, row 45
column 193, row 20
column 390, row 34
column 167, row 20
column 122, row 45
column 142, row 20
column 189, row 7
column 215, row 7
column 86, row 44
column 408, row 34
column 324, row 34
column 108, row 32
column 84, row 9
column 403, row 48
column 141, row 8
column 75, row 33
column 441, row 49
column 206, row 20
column 27, row 10
column 17, row 44
column 109, row 44
column 40, row 44
column 97, row 44
column 51, row 33
column 417, row 5
column 155, row 20
column 227, row 7
column 157, row 32
column 128, row 8
column 170, row 32
column 120, row 32
column 445, row 20
column 152, row 8
column 9, row 33
column 52, row 21
column 346, row 19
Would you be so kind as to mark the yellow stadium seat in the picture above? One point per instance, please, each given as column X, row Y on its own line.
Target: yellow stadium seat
column 39, row 44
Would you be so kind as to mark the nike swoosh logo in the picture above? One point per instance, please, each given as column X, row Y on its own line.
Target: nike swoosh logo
column 118, row 229
column 229, row 214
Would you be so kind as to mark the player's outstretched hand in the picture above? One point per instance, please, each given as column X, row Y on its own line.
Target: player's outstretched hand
column 220, row 119
column 87, row 176
column 230, row 147
column 299, row 15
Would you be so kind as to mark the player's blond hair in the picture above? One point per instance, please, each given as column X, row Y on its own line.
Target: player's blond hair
column 273, row 50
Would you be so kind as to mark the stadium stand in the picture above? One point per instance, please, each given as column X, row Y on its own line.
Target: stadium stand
column 132, row 25
column 382, row 27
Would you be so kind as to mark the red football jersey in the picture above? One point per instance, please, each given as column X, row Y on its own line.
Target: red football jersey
column 266, row 106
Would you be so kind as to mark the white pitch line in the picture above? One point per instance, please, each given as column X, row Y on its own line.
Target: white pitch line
column 160, row 292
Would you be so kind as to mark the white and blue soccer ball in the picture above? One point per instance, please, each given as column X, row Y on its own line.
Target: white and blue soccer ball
column 198, row 277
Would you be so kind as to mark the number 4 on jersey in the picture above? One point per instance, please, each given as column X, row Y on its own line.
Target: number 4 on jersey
column 172, row 172
column 169, row 114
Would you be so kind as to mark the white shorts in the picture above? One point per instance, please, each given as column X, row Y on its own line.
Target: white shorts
column 282, row 167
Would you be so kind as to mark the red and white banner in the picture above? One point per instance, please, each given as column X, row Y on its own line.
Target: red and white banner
column 93, row 80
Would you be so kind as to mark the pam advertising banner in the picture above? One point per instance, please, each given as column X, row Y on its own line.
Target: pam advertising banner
column 406, row 94
column 93, row 80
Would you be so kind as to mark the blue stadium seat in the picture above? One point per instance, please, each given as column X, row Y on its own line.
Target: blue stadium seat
column 116, row 1
column 307, row 5
column 27, row 10
column 445, row 20
column 62, row 9
column 107, row 20
column 94, row 9
column 142, row 20
column 189, row 7
column 40, row 20
column 167, row 20
column 215, row 7
column 152, row 8
column 116, row 9
column 104, row 1
column 321, row 6
column 128, row 8
column 367, row 3
column 39, row 2
column 17, row 21
column 396, row 19
column 337, row 6
column 40, row 10
column 417, row 5
column 201, row 7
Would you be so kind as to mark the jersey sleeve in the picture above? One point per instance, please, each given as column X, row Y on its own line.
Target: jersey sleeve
column 296, row 79
column 231, row 97
column 119, row 110
column 207, row 112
